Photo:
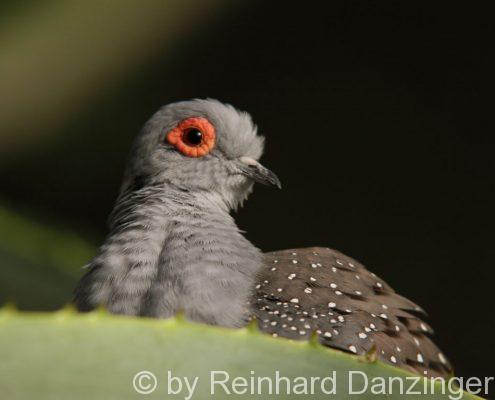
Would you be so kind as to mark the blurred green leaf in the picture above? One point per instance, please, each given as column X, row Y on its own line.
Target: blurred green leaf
column 39, row 265
column 96, row 355
column 57, row 56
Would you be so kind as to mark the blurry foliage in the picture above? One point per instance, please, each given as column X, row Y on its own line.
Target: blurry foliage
column 39, row 265
column 56, row 56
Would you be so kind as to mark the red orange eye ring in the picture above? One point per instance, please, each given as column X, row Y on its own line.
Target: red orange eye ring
column 176, row 137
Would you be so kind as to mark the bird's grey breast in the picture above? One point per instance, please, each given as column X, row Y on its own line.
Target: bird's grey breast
column 206, row 267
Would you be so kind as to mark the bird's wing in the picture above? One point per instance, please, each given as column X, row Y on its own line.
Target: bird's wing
column 320, row 291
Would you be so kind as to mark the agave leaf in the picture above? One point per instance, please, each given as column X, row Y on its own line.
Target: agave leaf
column 96, row 356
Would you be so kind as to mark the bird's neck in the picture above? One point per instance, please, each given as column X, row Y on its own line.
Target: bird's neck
column 196, row 258
column 167, row 210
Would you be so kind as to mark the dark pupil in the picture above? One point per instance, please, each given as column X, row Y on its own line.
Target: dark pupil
column 194, row 137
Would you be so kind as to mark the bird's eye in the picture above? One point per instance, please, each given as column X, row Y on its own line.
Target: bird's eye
column 193, row 137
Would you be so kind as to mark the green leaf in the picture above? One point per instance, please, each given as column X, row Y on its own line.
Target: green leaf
column 39, row 265
column 95, row 356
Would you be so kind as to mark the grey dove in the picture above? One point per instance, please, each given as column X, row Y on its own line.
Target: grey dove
column 173, row 246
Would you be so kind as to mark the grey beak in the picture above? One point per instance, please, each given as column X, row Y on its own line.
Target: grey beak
column 258, row 173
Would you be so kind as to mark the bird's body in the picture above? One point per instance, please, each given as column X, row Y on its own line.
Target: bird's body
column 170, row 253
column 173, row 246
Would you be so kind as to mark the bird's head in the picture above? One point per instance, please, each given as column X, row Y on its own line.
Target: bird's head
column 200, row 146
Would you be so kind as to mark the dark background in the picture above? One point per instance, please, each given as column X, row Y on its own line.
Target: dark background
column 376, row 122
